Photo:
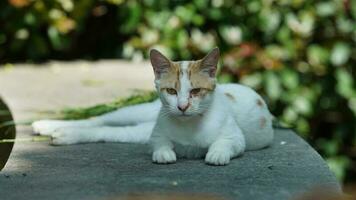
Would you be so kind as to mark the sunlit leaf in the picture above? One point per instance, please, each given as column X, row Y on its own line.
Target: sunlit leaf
column 326, row 8
column 338, row 165
column 345, row 83
column 340, row 53
column 290, row 79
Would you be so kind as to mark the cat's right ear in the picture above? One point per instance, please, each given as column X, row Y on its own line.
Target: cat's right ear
column 159, row 63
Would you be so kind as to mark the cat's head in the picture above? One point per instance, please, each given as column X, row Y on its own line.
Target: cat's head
column 185, row 87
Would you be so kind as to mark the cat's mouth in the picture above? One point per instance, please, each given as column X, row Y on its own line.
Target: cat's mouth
column 185, row 115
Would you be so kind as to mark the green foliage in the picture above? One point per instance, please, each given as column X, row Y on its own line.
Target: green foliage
column 300, row 54
column 83, row 113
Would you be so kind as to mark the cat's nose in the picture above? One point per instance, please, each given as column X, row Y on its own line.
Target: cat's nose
column 183, row 108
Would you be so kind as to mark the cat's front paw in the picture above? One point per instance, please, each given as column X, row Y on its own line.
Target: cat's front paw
column 164, row 156
column 215, row 157
column 67, row 136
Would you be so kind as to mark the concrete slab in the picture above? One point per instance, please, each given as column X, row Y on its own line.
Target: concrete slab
column 105, row 171
column 29, row 88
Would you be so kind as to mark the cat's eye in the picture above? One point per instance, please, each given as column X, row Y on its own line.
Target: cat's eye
column 171, row 91
column 195, row 91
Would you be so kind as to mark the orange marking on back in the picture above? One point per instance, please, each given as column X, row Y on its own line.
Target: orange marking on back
column 259, row 102
column 230, row 96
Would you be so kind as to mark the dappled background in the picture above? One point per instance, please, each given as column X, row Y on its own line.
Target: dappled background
column 299, row 54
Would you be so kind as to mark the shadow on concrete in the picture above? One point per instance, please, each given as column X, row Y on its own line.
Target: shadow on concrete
column 7, row 133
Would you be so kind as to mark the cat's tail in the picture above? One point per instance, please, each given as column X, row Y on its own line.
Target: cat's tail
column 126, row 116
column 139, row 133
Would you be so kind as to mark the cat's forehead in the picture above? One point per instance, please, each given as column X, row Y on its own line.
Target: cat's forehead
column 184, row 64
column 181, row 72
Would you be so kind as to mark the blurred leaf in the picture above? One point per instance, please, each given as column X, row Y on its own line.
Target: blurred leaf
column 352, row 106
column 340, row 53
column 290, row 79
column 231, row 34
column 302, row 105
column 252, row 80
column 54, row 37
column 185, row 13
column 317, row 55
column 30, row 19
column 289, row 115
column 225, row 78
column 132, row 17
column 338, row 165
column 273, row 87
column 326, row 8
column 330, row 147
column 345, row 83
column 303, row 127
column 270, row 20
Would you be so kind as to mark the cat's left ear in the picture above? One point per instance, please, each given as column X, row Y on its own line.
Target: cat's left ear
column 210, row 62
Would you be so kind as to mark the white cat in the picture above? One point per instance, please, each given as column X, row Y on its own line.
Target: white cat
column 194, row 118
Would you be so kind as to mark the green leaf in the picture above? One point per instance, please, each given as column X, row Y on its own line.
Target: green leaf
column 340, row 53
column 54, row 37
column 302, row 105
column 290, row 79
column 225, row 78
column 83, row 113
column 317, row 55
column 273, row 86
column 231, row 34
column 326, row 8
column 252, row 80
column 338, row 165
column 345, row 83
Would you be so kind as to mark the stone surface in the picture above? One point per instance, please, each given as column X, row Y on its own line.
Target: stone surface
column 37, row 170
column 100, row 171
column 29, row 88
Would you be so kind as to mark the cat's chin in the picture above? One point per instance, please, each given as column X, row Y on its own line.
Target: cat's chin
column 185, row 116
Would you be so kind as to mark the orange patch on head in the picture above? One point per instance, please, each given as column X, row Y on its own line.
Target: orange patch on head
column 263, row 122
column 259, row 102
column 230, row 96
column 197, row 78
column 171, row 78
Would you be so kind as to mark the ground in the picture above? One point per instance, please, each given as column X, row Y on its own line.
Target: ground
column 37, row 170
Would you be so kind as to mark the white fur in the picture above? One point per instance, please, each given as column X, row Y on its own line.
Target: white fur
column 225, row 130
column 183, row 94
column 220, row 131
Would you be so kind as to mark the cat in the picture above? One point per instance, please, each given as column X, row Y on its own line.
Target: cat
column 194, row 116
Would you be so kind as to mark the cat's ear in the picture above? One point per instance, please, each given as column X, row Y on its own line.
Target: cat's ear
column 210, row 62
column 159, row 63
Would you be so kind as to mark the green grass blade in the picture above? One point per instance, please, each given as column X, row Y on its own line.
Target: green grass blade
column 83, row 113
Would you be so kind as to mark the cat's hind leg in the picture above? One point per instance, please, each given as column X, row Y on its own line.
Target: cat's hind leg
column 130, row 115
column 139, row 133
